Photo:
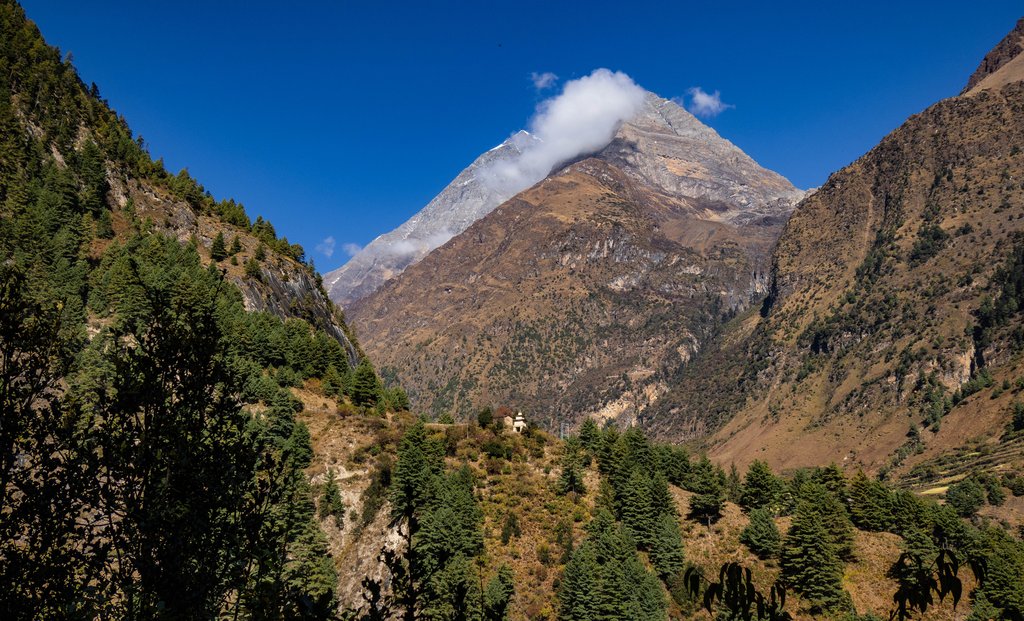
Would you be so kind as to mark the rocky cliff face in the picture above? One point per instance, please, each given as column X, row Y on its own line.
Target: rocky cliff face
column 466, row 199
column 285, row 287
column 879, row 285
column 582, row 294
column 667, row 148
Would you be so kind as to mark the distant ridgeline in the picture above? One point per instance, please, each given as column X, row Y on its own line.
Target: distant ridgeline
column 150, row 461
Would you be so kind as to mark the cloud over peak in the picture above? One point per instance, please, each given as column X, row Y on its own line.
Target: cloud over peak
column 582, row 119
column 706, row 105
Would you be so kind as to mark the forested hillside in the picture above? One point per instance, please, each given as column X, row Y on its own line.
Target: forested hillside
column 609, row 525
column 151, row 464
column 190, row 430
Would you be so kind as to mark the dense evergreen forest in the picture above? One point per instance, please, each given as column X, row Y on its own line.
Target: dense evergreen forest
column 150, row 462
column 152, row 465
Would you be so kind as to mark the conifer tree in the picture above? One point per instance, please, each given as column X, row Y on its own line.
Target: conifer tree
column 662, row 502
column 810, row 562
column 218, row 252
column 733, row 485
column 331, row 504
column 966, row 497
column 571, row 479
column 706, row 504
column 761, row 488
column 831, row 478
column 252, row 269
column 578, row 585
column 635, row 507
column 498, row 595
column 590, row 435
column 366, row 386
column 104, row 225
column 834, row 517
column 236, row 245
column 667, row 547
column 761, row 535
column 869, row 503
column 914, row 566
column 332, row 382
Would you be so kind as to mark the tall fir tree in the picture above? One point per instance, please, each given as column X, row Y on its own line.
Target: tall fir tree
column 761, row 488
column 366, row 386
column 869, row 503
column 218, row 251
column 761, row 535
column 667, row 553
column 810, row 562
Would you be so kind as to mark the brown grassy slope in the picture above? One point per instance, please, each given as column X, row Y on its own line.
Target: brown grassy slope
column 858, row 314
column 572, row 298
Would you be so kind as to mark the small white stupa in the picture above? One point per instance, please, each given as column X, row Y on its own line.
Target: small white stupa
column 519, row 425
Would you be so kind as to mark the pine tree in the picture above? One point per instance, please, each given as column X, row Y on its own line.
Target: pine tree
column 667, row 547
column 331, row 504
column 332, row 382
column 733, row 485
column 261, row 253
column 833, row 516
column 236, row 245
column 966, row 497
column 590, row 435
column 761, row 535
column 366, row 386
column 914, row 567
column 870, row 503
column 253, row 270
column 831, row 478
column 498, row 595
column 635, row 507
column 578, row 585
column 761, row 488
column 662, row 502
column 571, row 479
column 706, row 504
column 104, row 225
column 218, row 252
column 810, row 562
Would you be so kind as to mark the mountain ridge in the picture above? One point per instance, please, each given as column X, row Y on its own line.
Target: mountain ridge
column 452, row 211
column 610, row 252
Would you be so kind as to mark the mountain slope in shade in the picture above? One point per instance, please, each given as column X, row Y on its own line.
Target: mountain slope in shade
column 871, row 348
column 462, row 202
column 582, row 293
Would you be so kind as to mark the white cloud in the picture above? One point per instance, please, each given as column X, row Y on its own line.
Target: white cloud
column 351, row 249
column 706, row 105
column 413, row 247
column 581, row 120
column 544, row 80
column 326, row 247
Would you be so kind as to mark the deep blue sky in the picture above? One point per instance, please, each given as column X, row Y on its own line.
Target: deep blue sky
column 344, row 118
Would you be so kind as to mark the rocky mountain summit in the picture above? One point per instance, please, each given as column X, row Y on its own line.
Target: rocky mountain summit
column 581, row 294
column 663, row 146
column 666, row 147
